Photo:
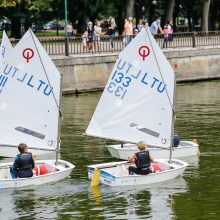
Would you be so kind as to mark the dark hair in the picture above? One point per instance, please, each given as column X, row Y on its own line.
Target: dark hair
column 22, row 147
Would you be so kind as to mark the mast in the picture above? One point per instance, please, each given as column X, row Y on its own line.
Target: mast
column 173, row 118
column 59, row 117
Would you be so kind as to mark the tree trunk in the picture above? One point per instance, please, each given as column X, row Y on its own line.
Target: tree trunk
column 15, row 27
column 130, row 8
column 176, row 14
column 169, row 6
column 205, row 15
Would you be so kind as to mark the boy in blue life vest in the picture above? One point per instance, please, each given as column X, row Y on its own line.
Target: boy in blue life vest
column 142, row 160
column 23, row 163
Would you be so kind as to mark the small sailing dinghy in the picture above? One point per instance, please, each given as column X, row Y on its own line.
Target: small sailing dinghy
column 184, row 149
column 30, row 111
column 129, row 71
column 5, row 48
column 137, row 105
column 7, row 51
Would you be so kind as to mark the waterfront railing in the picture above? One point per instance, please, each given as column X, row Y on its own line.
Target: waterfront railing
column 73, row 45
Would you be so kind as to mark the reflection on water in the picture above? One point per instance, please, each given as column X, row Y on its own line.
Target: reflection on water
column 197, row 107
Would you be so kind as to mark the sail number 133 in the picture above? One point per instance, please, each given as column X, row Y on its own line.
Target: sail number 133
column 119, row 84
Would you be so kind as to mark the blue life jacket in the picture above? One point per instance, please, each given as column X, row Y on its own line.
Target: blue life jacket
column 25, row 161
column 143, row 159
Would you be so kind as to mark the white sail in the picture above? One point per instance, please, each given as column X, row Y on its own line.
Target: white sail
column 137, row 101
column 5, row 48
column 29, row 96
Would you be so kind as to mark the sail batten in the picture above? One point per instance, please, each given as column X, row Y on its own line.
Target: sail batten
column 137, row 101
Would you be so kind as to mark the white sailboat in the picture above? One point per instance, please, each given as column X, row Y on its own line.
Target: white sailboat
column 5, row 48
column 129, row 68
column 8, row 51
column 30, row 110
column 137, row 104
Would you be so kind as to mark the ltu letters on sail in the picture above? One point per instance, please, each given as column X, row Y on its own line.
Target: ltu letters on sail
column 26, row 79
column 123, row 75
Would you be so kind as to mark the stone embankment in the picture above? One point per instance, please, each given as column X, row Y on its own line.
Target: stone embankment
column 90, row 72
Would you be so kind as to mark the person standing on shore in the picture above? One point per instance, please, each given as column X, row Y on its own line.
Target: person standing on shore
column 155, row 26
column 70, row 29
column 128, row 31
column 111, row 32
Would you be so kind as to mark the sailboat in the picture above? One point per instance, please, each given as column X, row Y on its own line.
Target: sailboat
column 7, row 49
column 137, row 105
column 132, row 70
column 30, row 110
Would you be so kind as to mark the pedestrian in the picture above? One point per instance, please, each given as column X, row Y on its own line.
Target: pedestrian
column 70, row 29
column 22, row 29
column 136, row 32
column 123, row 33
column 84, row 41
column 34, row 28
column 165, row 36
column 128, row 31
column 90, row 31
column 155, row 26
column 145, row 24
column 170, row 28
column 111, row 32
column 140, row 24
column 97, row 35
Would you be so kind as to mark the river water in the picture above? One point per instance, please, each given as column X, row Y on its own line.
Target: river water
column 196, row 195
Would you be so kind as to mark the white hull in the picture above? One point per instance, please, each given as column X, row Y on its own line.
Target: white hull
column 185, row 149
column 55, row 173
column 6, row 151
column 116, row 173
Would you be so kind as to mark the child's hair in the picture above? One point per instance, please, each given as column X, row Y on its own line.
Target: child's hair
column 22, row 147
column 85, row 34
column 141, row 145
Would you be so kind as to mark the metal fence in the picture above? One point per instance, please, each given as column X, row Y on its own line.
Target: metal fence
column 74, row 45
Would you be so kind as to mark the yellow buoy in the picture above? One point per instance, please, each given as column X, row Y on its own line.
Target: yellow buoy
column 95, row 178
column 196, row 142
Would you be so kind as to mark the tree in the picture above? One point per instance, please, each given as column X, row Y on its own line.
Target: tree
column 169, row 6
column 129, row 8
column 205, row 15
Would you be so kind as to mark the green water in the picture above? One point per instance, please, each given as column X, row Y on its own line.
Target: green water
column 196, row 195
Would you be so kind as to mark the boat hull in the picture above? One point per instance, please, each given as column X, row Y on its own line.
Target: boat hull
column 56, row 173
column 116, row 173
column 185, row 149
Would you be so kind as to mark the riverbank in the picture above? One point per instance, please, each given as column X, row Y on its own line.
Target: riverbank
column 90, row 72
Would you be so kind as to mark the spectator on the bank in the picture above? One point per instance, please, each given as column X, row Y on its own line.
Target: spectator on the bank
column 136, row 32
column 111, row 32
column 97, row 34
column 90, row 31
column 22, row 29
column 34, row 28
column 165, row 36
column 123, row 33
column 70, row 29
column 145, row 24
column 155, row 26
column 128, row 31
column 140, row 24
column 84, row 41
column 170, row 28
